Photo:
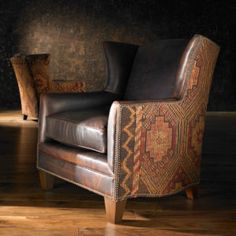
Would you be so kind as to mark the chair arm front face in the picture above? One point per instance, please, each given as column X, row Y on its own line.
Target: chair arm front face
column 157, row 144
column 60, row 102
column 28, row 95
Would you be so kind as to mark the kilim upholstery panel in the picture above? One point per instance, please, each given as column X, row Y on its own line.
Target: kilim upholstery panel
column 158, row 143
column 26, row 85
column 33, row 79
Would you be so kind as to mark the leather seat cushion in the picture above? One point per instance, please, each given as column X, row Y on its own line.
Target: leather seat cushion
column 86, row 128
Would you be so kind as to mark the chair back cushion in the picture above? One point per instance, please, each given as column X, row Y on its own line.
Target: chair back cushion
column 153, row 74
column 120, row 58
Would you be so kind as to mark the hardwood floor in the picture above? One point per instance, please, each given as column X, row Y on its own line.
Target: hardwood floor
column 25, row 209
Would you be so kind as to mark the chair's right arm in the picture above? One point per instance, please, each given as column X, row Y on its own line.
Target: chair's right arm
column 154, row 147
column 142, row 134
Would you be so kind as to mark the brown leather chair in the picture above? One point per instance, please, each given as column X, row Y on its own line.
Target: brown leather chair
column 32, row 75
column 142, row 135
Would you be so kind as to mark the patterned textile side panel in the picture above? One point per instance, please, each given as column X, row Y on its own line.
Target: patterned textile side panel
column 66, row 86
column 28, row 96
column 159, row 149
column 39, row 66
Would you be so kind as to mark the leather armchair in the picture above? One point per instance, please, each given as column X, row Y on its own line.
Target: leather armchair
column 32, row 75
column 142, row 135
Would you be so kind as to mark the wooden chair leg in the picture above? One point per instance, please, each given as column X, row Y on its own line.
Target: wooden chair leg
column 25, row 117
column 46, row 180
column 192, row 192
column 114, row 210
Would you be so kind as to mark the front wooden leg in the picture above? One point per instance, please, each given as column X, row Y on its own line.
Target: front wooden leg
column 46, row 180
column 114, row 210
column 192, row 192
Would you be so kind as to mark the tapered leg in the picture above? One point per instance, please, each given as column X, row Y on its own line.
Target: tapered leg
column 46, row 180
column 192, row 192
column 114, row 210
column 25, row 117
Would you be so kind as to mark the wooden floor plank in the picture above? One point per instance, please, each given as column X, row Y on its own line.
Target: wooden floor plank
column 25, row 209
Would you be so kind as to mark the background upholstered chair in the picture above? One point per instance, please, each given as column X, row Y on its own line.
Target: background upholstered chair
column 32, row 76
column 147, row 142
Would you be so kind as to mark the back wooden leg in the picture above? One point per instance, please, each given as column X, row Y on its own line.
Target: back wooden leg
column 25, row 117
column 192, row 192
column 46, row 180
column 114, row 210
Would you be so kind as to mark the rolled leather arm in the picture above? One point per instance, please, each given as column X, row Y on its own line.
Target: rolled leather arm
column 52, row 103
column 144, row 138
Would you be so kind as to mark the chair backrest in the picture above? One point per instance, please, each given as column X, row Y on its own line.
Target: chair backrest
column 153, row 75
column 119, row 57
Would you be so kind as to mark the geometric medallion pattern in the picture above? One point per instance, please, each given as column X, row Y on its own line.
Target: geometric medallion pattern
column 39, row 68
column 158, row 139
column 158, row 148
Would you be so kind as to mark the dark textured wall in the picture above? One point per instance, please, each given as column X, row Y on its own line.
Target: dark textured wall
column 72, row 31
